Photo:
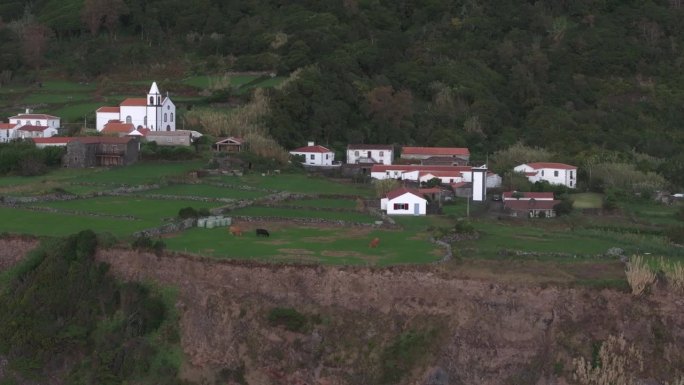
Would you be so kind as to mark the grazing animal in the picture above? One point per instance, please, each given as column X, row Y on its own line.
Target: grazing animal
column 374, row 243
column 234, row 230
column 262, row 232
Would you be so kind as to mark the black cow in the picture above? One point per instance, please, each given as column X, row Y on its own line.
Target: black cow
column 263, row 232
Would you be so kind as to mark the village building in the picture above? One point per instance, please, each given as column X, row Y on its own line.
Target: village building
column 530, row 208
column 554, row 173
column 370, row 154
column 523, row 196
column 30, row 131
column 117, row 128
column 231, row 144
column 404, row 201
column 101, row 151
column 315, row 155
column 153, row 112
column 36, row 120
column 444, row 156
column 29, row 125
column 7, row 131
column 171, row 138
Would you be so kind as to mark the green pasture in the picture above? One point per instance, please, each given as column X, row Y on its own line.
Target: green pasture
column 260, row 211
column 140, row 173
column 209, row 191
column 587, row 200
column 583, row 243
column 63, row 98
column 66, row 86
column 652, row 213
column 298, row 183
column 153, row 211
column 74, row 112
column 311, row 245
column 17, row 220
column 323, row 203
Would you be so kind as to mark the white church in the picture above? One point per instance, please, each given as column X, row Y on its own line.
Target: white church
column 154, row 112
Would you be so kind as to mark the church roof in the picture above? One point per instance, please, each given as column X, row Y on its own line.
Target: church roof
column 134, row 102
column 154, row 90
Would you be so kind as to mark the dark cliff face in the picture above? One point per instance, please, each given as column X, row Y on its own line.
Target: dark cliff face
column 358, row 322
column 279, row 324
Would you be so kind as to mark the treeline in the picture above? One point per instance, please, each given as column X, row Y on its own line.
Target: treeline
column 64, row 316
column 578, row 78
column 21, row 157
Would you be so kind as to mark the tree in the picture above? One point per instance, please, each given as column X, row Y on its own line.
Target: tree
column 34, row 39
column 388, row 109
column 383, row 186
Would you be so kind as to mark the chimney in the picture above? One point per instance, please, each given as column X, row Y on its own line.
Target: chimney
column 311, row 144
column 28, row 110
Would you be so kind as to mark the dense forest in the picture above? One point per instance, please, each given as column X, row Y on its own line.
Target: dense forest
column 586, row 79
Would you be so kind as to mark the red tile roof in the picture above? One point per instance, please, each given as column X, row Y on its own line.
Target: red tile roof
column 528, row 195
column 523, row 205
column 117, row 127
column 316, row 148
column 33, row 116
column 29, row 127
column 53, row 140
column 401, row 191
column 134, row 102
column 102, row 139
column 370, row 147
column 109, row 109
column 456, row 174
column 418, row 167
column 7, row 126
column 444, row 151
column 560, row 166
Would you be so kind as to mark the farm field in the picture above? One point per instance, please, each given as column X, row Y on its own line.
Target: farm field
column 260, row 211
column 313, row 244
column 297, row 183
column 204, row 190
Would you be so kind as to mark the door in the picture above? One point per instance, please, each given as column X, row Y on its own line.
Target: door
column 416, row 209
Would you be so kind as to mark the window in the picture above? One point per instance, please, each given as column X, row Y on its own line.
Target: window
column 311, row 156
column 542, row 172
column 168, row 107
column 129, row 119
column 151, row 99
column 382, row 153
column 401, row 206
column 37, row 122
column 555, row 173
column 165, row 117
column 327, row 156
column 145, row 121
column 172, row 116
column 356, row 153
column 387, row 173
column 18, row 121
column 572, row 175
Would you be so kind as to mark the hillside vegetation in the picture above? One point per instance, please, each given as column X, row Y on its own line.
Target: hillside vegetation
column 582, row 78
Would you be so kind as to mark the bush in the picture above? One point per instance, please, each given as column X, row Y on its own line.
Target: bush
column 563, row 208
column 639, row 275
column 188, row 212
column 145, row 243
column 675, row 234
column 464, row 227
column 287, row 317
column 401, row 355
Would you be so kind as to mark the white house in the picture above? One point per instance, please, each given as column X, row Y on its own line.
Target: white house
column 412, row 172
column 554, row 173
column 445, row 177
column 403, row 201
column 7, row 132
column 370, row 153
column 37, row 120
column 315, row 155
column 493, row 180
column 154, row 112
column 31, row 131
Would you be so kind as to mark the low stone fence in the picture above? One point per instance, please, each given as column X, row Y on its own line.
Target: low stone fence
column 167, row 228
column 449, row 254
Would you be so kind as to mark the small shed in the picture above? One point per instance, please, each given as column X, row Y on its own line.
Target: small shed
column 231, row 144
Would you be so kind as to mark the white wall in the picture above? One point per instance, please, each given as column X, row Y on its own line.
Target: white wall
column 317, row 158
column 410, row 200
column 444, row 179
column 103, row 118
column 552, row 175
column 493, row 181
column 381, row 156
column 479, row 178
column 55, row 123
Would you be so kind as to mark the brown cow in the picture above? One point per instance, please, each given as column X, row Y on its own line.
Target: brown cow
column 234, row 230
column 374, row 243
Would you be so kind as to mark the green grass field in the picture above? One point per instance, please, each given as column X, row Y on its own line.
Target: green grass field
column 311, row 245
column 298, row 183
column 349, row 216
column 203, row 190
column 650, row 213
column 324, row 203
column 587, row 200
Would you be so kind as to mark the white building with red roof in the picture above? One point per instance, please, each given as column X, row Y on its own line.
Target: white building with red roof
column 36, row 120
column 554, row 173
column 154, row 112
column 7, row 131
column 404, row 201
column 30, row 131
column 437, row 155
column 315, row 155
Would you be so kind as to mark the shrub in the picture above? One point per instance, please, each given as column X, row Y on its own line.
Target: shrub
column 563, row 208
column 616, row 363
column 188, row 212
column 401, row 355
column 145, row 243
column 639, row 275
column 287, row 317
column 464, row 227
column 674, row 273
column 675, row 234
